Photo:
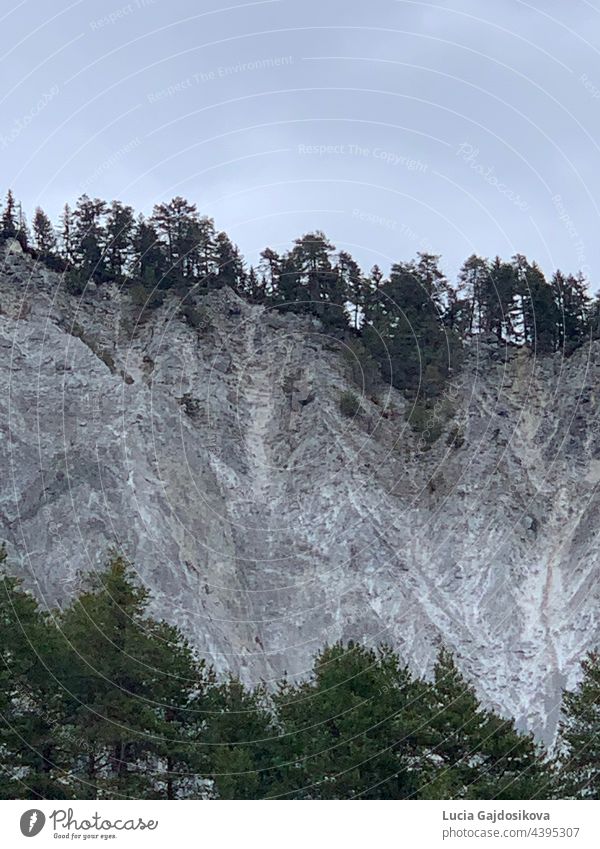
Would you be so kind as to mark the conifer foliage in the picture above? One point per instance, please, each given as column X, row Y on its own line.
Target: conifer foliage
column 100, row 700
column 409, row 325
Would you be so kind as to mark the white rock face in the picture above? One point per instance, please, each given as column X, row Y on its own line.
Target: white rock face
column 266, row 524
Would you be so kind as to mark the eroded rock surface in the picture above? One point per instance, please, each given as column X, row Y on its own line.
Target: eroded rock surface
column 267, row 524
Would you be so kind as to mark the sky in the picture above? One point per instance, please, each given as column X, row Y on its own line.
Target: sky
column 453, row 127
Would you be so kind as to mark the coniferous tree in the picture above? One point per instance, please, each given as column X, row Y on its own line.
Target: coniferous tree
column 112, row 680
column 32, row 763
column 353, row 287
column 355, row 729
column 499, row 300
column 43, row 234
column 270, row 271
column 573, row 304
column 579, row 735
column 482, row 755
column 9, row 217
column 230, row 267
column 119, row 239
column 243, row 740
column 473, row 280
column 66, row 234
column 89, row 238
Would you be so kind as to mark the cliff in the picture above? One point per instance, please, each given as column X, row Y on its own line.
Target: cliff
column 265, row 523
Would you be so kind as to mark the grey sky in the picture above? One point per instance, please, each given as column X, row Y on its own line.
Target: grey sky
column 455, row 126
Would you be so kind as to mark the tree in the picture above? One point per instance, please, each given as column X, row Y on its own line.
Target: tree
column 405, row 331
column 573, row 306
column 472, row 285
column 243, row 739
column 354, row 730
column 89, row 237
column 43, row 234
column 112, row 681
column 189, row 242
column 32, row 763
column 353, row 286
column 313, row 282
column 66, row 236
column 149, row 265
column 9, row 222
column 270, row 270
column 499, row 295
column 579, row 735
column 482, row 755
column 185, row 695
column 540, row 317
column 119, row 238
column 229, row 264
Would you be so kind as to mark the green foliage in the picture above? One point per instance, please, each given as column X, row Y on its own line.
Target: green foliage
column 365, row 371
column 408, row 327
column 355, row 729
column 349, row 404
column 579, row 735
column 424, row 418
column 100, row 700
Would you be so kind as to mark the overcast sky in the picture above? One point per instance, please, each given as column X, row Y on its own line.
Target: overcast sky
column 457, row 127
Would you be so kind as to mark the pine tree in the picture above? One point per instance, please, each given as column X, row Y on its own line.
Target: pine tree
column 184, row 693
column 9, row 221
column 119, row 238
column 579, row 735
column 243, row 741
column 66, row 236
column 573, row 307
column 354, row 729
column 354, row 288
column 43, row 234
column 482, row 755
column 472, row 285
column 270, row 271
column 229, row 264
column 32, row 764
column 112, row 679
column 89, row 237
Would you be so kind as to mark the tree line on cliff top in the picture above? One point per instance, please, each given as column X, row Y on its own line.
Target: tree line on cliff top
column 409, row 324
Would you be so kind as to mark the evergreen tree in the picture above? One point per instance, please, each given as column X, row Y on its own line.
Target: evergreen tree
column 243, row 739
column 89, row 237
column 540, row 314
column 230, row 267
column 32, row 764
column 9, row 221
column 119, row 239
column 270, row 271
column 355, row 729
column 66, row 236
column 312, row 280
column 579, row 735
column 473, row 282
column 354, row 288
column 149, row 265
column 573, row 305
column 112, row 680
column 43, row 234
column 406, row 333
column 482, row 755
column 499, row 300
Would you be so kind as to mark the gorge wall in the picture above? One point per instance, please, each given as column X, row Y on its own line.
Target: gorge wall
column 265, row 523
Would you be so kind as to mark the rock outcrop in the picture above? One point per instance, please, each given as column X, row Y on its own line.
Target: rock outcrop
column 266, row 523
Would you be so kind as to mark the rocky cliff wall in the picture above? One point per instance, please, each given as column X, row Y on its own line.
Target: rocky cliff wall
column 266, row 524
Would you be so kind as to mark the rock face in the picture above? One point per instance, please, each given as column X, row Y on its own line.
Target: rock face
column 266, row 524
